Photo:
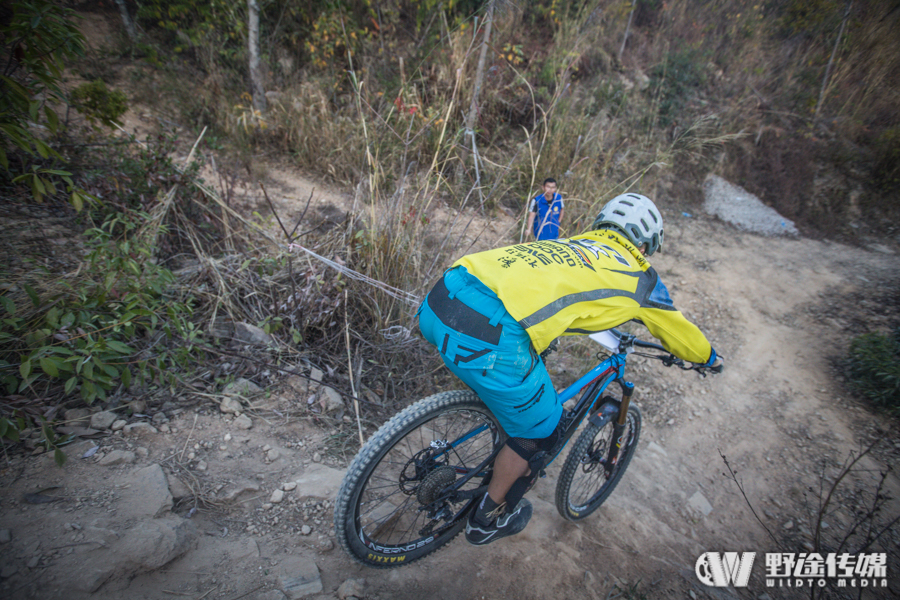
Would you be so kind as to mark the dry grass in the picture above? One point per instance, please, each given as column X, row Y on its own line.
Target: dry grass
column 399, row 145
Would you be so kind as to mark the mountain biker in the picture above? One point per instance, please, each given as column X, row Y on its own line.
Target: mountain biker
column 493, row 313
column 545, row 212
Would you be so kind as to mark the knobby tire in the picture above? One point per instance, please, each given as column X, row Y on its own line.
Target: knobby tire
column 377, row 515
column 583, row 484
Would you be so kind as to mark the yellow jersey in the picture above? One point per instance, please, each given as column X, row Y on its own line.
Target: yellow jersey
column 583, row 284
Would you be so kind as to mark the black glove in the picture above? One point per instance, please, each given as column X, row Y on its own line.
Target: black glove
column 554, row 345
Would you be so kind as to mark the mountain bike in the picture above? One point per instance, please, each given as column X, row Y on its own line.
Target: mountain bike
column 411, row 486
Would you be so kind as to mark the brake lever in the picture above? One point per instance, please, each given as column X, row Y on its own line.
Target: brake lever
column 670, row 360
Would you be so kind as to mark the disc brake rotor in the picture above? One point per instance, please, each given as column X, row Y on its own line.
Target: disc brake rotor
column 593, row 457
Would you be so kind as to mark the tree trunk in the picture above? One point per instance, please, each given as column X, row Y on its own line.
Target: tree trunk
column 256, row 79
column 472, row 118
column 126, row 20
column 627, row 29
column 837, row 43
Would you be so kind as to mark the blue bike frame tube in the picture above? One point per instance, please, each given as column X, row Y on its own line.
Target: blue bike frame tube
column 613, row 363
column 593, row 384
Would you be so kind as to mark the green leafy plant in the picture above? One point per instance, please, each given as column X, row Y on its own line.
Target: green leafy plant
column 36, row 40
column 83, row 335
column 327, row 41
column 99, row 103
column 675, row 80
column 10, row 428
column 199, row 23
column 886, row 168
column 874, row 368
column 807, row 17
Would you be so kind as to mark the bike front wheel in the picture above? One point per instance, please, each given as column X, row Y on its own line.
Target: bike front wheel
column 393, row 506
column 587, row 477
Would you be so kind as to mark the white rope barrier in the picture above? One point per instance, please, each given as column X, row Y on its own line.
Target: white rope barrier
column 402, row 295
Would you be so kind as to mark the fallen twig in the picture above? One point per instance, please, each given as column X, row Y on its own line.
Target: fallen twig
column 350, row 371
column 209, row 592
column 188, row 440
column 248, row 593
column 746, row 499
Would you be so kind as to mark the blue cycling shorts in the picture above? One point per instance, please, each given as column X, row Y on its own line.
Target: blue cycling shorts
column 491, row 353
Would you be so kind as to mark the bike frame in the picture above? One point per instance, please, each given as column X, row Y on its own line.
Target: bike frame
column 591, row 385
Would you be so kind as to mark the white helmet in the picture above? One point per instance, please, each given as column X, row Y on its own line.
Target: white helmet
column 637, row 217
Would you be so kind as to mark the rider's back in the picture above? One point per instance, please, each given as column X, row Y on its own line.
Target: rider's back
column 586, row 283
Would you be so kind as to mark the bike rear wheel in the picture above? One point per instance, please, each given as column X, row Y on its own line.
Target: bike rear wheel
column 389, row 510
column 587, row 480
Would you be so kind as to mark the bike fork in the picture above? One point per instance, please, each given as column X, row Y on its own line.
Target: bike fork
column 618, row 438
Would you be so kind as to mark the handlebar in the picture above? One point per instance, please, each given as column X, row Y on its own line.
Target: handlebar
column 627, row 343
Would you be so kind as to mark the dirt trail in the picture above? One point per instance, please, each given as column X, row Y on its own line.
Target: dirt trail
column 779, row 310
column 775, row 308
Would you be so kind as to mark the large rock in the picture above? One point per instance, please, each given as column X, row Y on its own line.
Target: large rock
column 319, row 481
column 299, row 577
column 103, row 419
column 152, row 544
column 237, row 489
column 241, row 549
column 742, row 209
column 241, row 387
column 250, row 334
column 78, row 417
column 304, row 386
column 330, row 399
column 147, row 546
column 297, row 384
column 77, row 431
column 221, row 328
column 699, row 503
column 177, row 487
column 117, row 457
column 230, row 404
column 139, row 429
column 147, row 494
column 352, row 588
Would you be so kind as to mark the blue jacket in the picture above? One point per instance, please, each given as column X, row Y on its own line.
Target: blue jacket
column 546, row 221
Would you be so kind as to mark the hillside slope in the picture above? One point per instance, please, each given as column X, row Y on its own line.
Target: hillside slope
column 779, row 310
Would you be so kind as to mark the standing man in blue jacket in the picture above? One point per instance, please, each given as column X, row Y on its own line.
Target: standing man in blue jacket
column 545, row 212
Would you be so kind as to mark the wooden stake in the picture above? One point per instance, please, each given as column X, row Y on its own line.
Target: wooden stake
column 350, row 370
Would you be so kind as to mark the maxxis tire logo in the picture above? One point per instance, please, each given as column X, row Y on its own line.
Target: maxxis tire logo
column 721, row 569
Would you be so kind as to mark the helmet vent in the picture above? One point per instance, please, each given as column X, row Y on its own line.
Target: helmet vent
column 635, row 216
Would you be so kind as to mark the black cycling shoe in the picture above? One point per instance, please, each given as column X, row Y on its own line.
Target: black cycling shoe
column 507, row 524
